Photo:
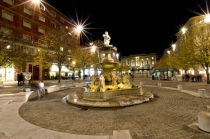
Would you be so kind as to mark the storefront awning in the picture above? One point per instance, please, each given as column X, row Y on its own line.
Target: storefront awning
column 54, row 68
column 165, row 69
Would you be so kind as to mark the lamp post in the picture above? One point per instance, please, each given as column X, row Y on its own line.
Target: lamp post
column 78, row 30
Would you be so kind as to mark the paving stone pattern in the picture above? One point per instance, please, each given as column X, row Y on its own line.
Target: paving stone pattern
column 167, row 116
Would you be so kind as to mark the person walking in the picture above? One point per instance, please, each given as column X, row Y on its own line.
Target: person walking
column 18, row 79
column 73, row 77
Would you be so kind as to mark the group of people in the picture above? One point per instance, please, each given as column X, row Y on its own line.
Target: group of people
column 20, row 79
column 190, row 77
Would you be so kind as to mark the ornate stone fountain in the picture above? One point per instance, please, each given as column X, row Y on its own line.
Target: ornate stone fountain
column 108, row 85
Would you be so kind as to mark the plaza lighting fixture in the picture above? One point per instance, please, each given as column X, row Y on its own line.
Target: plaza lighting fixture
column 79, row 28
column 93, row 48
column 168, row 52
column 173, row 47
column 73, row 62
column 184, row 30
column 207, row 18
column 36, row 1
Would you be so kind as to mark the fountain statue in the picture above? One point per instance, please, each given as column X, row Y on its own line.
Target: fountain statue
column 108, row 84
column 27, row 75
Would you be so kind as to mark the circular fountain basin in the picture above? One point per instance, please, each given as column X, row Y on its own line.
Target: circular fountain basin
column 113, row 98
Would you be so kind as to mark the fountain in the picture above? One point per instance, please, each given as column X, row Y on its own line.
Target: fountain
column 109, row 86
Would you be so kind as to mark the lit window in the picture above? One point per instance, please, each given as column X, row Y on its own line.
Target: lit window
column 41, row 30
column 61, row 48
column 10, row 2
column 7, row 15
column 26, row 24
column 42, row 18
column 27, row 10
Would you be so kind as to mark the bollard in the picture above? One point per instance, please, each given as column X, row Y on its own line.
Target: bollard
column 204, row 121
column 179, row 87
column 1, row 84
column 159, row 84
column 141, row 83
column 202, row 93
column 208, row 108
column 140, row 90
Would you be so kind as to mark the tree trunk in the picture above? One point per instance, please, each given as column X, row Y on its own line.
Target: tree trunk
column 59, row 74
column 84, row 73
column 207, row 75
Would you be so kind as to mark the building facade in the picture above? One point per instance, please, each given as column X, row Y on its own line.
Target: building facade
column 140, row 63
column 26, row 21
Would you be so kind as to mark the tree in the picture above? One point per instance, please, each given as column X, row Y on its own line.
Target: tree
column 201, row 46
column 58, row 45
column 11, row 53
column 163, row 62
column 42, row 58
column 185, row 55
column 83, row 57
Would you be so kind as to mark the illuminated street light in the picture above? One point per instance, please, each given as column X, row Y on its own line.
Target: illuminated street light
column 36, row 1
column 173, row 47
column 73, row 62
column 93, row 49
column 79, row 28
column 207, row 18
column 168, row 52
column 184, row 30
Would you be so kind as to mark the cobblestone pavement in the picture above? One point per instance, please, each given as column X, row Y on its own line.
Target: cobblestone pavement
column 167, row 116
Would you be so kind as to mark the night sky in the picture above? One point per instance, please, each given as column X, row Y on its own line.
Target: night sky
column 135, row 27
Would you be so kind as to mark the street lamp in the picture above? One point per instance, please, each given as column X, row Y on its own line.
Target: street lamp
column 173, row 47
column 36, row 1
column 168, row 52
column 79, row 29
column 207, row 18
column 184, row 30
